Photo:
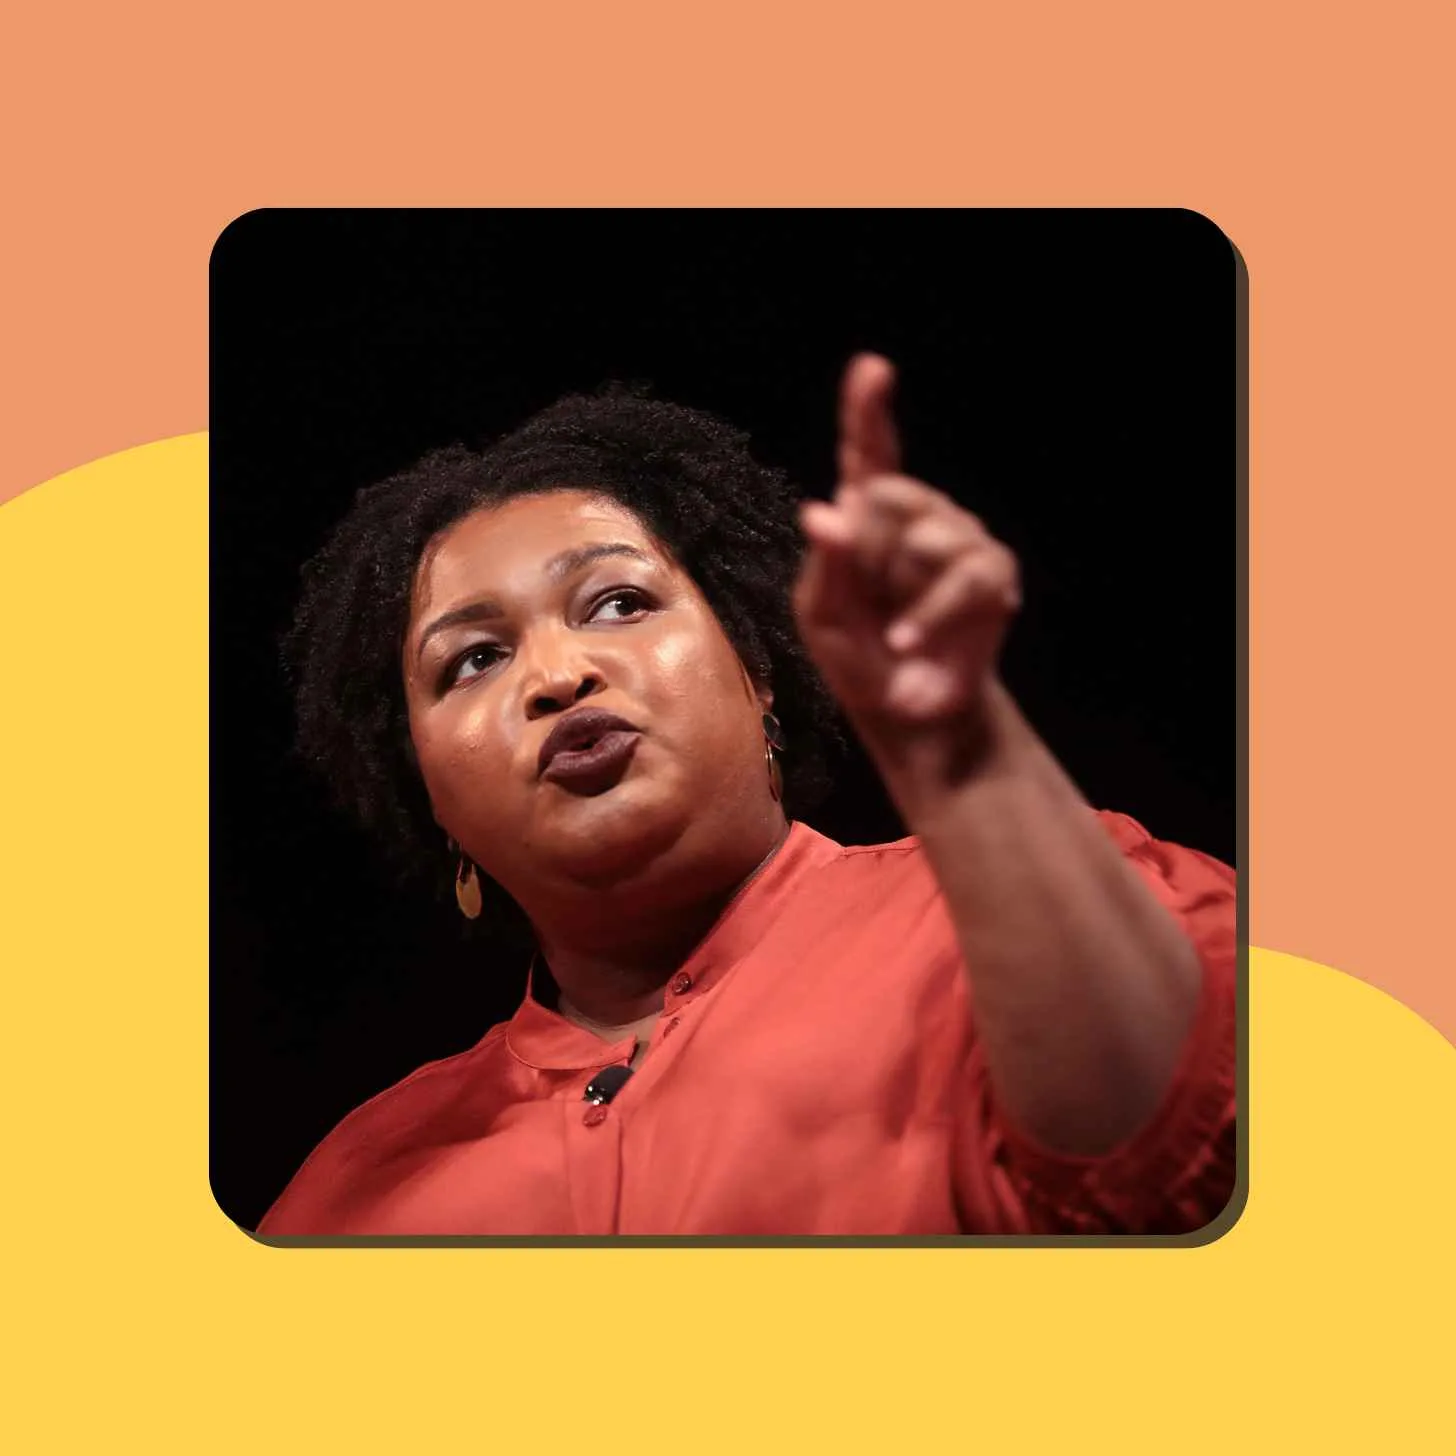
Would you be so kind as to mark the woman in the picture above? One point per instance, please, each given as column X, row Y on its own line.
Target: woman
column 577, row 661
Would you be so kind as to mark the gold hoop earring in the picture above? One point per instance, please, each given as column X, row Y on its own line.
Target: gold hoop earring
column 773, row 737
column 467, row 885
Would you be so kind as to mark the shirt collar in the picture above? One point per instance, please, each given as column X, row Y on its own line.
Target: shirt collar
column 544, row 1039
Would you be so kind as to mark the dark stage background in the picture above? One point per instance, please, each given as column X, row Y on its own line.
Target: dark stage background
column 1069, row 376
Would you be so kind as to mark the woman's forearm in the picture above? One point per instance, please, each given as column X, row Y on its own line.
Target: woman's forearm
column 1084, row 986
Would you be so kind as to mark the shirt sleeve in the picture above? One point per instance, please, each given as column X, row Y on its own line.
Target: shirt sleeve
column 1177, row 1173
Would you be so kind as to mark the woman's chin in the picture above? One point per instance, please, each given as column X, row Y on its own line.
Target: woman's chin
column 614, row 835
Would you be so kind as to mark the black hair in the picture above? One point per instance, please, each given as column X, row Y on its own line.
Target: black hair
column 687, row 475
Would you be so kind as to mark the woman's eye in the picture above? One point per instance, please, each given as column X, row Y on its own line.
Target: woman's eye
column 472, row 663
column 634, row 599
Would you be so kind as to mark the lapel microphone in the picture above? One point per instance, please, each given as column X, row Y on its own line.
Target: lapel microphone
column 606, row 1084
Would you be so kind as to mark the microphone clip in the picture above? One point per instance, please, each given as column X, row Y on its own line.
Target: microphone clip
column 606, row 1084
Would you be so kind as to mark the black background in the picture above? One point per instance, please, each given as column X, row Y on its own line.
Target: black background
column 1069, row 376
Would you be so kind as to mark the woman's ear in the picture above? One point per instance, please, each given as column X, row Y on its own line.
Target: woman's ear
column 762, row 694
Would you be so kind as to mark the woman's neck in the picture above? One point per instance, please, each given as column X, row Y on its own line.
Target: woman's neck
column 611, row 988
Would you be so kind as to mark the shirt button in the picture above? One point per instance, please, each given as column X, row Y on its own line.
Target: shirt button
column 671, row 1026
column 682, row 983
column 594, row 1115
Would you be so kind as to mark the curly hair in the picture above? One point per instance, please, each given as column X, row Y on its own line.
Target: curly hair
column 687, row 475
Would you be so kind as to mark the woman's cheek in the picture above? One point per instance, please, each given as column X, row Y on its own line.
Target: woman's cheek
column 476, row 736
column 675, row 657
column 458, row 746
column 701, row 690
column 695, row 659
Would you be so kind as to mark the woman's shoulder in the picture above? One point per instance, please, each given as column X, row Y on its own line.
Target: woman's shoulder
column 857, row 881
column 821, row 852
column 406, row 1105
column 374, row 1129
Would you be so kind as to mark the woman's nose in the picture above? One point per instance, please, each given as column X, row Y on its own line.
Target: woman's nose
column 552, row 694
column 558, row 676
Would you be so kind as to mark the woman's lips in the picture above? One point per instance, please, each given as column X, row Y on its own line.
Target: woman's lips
column 596, row 769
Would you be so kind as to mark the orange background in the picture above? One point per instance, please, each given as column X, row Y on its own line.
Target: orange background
column 1317, row 138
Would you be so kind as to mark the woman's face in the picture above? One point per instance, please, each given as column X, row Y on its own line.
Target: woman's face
column 521, row 614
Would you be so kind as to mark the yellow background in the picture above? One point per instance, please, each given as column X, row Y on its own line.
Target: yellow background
column 1317, row 137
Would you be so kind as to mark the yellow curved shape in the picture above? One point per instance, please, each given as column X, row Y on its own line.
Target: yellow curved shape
column 1319, row 1322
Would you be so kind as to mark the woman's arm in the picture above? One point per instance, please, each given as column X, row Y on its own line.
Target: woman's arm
column 1084, row 986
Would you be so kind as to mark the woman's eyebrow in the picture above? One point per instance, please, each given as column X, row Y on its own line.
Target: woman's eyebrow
column 559, row 566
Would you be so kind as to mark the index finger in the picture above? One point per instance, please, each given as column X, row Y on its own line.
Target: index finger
column 869, row 443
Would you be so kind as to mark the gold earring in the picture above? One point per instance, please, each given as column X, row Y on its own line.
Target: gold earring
column 467, row 891
column 467, row 885
column 773, row 737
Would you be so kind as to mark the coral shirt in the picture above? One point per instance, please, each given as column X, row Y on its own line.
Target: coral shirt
column 815, row 1070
